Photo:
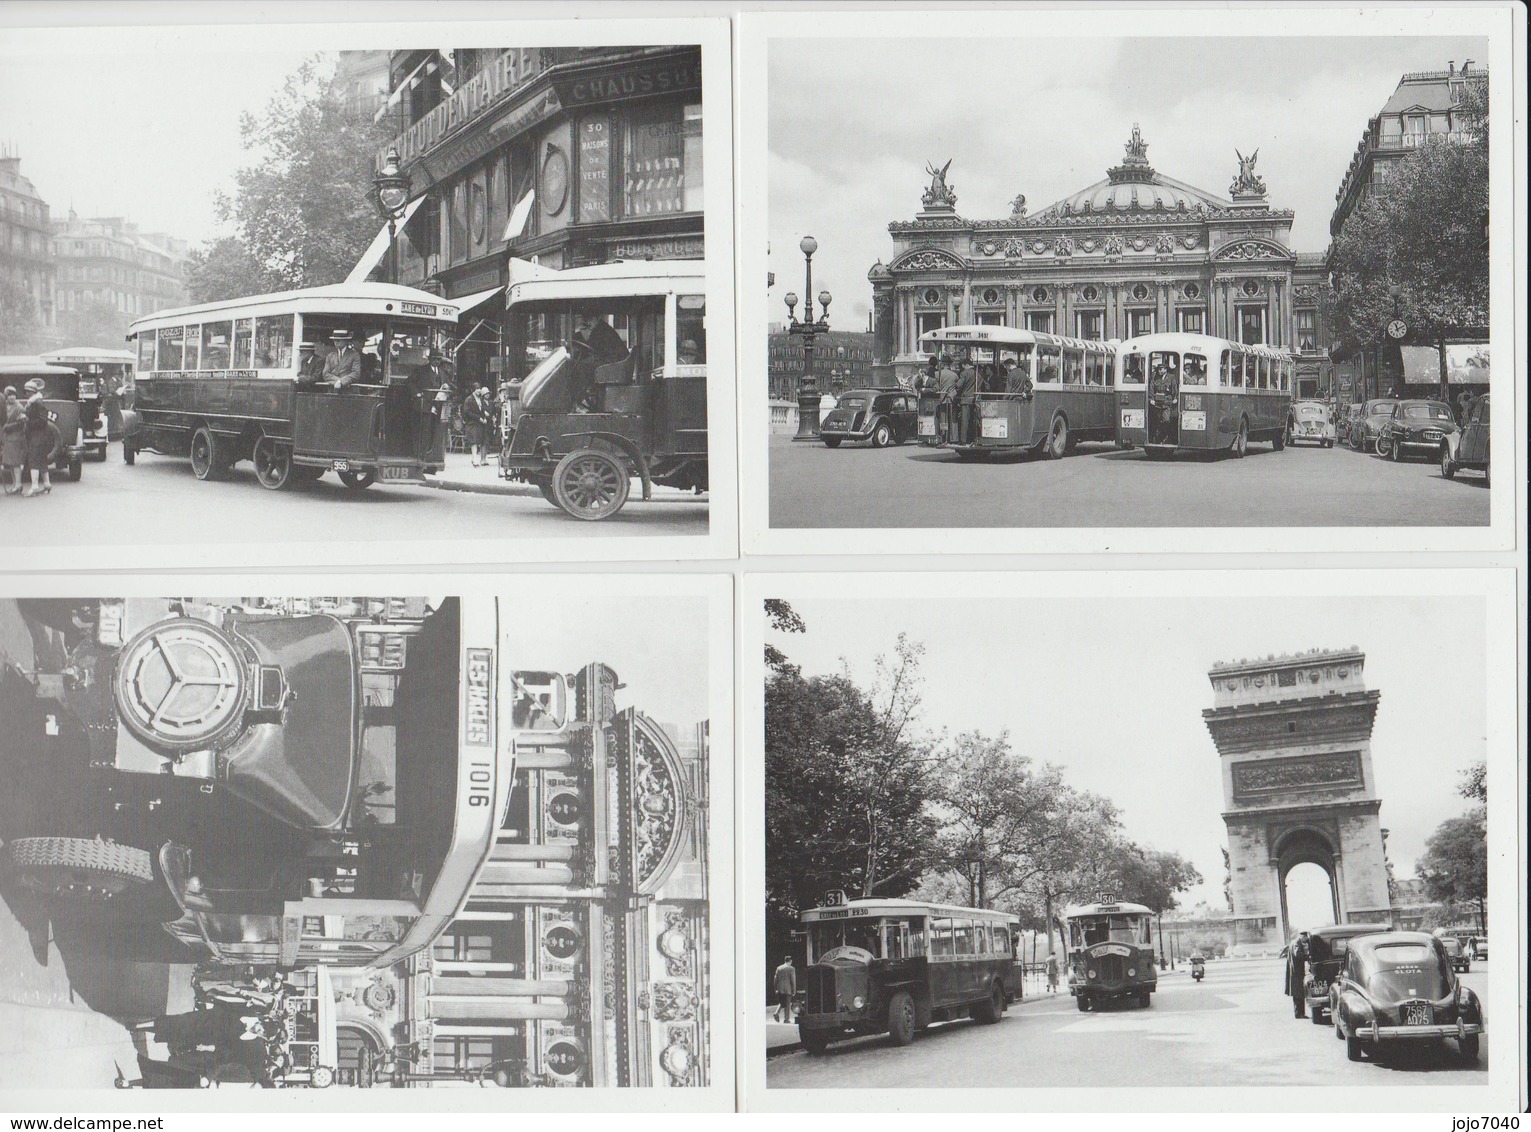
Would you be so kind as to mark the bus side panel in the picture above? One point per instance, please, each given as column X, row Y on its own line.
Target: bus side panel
column 949, row 979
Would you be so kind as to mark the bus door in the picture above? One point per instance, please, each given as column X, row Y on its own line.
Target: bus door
column 1164, row 398
column 681, row 425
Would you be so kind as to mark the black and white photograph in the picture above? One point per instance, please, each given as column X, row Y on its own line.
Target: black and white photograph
column 331, row 286
column 1222, row 275
column 375, row 842
column 1250, row 848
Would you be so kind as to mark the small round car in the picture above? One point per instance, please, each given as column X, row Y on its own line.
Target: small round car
column 1311, row 422
column 881, row 416
column 1400, row 987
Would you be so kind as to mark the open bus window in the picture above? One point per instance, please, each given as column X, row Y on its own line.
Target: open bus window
column 171, row 341
column 691, row 330
column 1049, row 364
column 1195, row 372
column 541, row 703
column 1134, row 371
column 145, row 352
column 273, row 342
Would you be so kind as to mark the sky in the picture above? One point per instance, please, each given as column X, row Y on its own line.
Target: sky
column 1112, row 690
column 151, row 138
column 852, row 126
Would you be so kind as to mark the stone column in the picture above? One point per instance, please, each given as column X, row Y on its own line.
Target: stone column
column 495, row 1010
column 503, row 872
column 512, row 851
column 484, row 1031
column 467, row 966
column 469, row 987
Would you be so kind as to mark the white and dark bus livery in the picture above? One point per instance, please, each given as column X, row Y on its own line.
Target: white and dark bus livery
column 1191, row 392
column 1030, row 392
column 1109, row 953
column 895, row 966
column 224, row 382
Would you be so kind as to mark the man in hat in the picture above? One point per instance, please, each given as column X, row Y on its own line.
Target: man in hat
column 310, row 364
column 343, row 366
column 688, row 354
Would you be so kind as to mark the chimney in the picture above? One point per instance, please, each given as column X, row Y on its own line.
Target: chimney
column 1466, row 65
column 1451, row 68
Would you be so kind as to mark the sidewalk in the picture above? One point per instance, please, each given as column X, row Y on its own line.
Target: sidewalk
column 461, row 475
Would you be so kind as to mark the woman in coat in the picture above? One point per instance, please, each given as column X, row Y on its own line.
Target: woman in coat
column 13, row 441
column 43, row 440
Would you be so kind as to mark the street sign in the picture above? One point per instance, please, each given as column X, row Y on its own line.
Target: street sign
column 1397, row 328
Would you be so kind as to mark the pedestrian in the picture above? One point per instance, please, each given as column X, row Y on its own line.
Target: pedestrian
column 43, row 441
column 13, row 441
column 478, row 419
column 1297, row 975
column 786, row 989
column 962, row 396
column 343, row 366
column 1052, row 974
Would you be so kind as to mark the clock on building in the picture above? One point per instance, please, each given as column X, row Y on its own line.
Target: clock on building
column 555, row 180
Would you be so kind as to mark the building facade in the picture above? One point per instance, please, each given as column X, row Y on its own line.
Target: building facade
column 25, row 242
column 1131, row 254
column 842, row 359
column 106, row 262
column 594, row 154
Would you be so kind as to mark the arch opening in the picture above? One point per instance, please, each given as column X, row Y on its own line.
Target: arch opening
column 1309, row 896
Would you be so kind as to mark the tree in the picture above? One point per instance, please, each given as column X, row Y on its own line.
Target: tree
column 19, row 325
column 224, row 269
column 1415, row 245
column 94, row 324
column 1454, row 865
column 780, row 617
column 1154, row 877
column 1473, row 783
column 301, row 211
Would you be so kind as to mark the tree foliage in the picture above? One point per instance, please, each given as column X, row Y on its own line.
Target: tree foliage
column 20, row 327
column 301, row 213
column 94, row 324
column 224, row 269
column 781, row 617
column 1473, row 784
column 1454, row 865
column 1415, row 244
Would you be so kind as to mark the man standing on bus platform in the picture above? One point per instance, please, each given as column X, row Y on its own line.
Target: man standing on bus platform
column 343, row 366
column 310, row 364
column 785, row 986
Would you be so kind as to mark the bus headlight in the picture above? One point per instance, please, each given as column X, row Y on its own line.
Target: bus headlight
column 1090, row 974
column 1131, row 972
column 858, row 1002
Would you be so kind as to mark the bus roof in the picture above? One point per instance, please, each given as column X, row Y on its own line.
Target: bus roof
column 338, row 298
column 530, row 281
column 1120, row 908
column 878, row 906
column 89, row 355
column 1175, row 340
column 974, row 335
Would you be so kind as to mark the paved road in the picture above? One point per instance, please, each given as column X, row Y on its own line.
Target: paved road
column 1235, row 1028
column 1100, row 486
column 157, row 500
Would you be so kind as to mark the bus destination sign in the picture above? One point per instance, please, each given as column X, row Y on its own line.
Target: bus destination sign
column 418, row 308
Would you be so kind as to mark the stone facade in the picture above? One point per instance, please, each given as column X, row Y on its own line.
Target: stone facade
column 1294, row 737
column 24, row 242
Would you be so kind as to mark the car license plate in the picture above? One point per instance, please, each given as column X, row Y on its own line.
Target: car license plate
column 109, row 626
column 398, row 472
column 340, row 465
column 1193, row 422
column 996, row 428
column 1432, row 436
column 927, row 426
column 833, row 426
column 1132, row 418
column 1416, row 1014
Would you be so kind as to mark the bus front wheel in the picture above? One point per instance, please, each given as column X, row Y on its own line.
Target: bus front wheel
column 993, row 1008
column 207, row 461
column 1241, row 441
column 1083, row 1003
column 1057, row 439
column 901, row 1019
column 814, row 1041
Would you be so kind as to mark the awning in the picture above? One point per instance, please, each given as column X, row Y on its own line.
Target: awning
column 519, row 215
column 1467, row 363
column 379, row 245
column 466, row 303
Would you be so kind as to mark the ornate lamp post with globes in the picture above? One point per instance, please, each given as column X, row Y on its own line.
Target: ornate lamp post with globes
column 390, row 195
column 808, row 395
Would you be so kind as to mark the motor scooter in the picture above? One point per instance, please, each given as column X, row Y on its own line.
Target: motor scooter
column 1198, row 968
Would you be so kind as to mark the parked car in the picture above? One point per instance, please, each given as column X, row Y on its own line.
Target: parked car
column 1350, row 422
column 883, row 416
column 1415, row 427
column 1326, row 954
column 1468, row 447
column 1399, row 987
column 1456, row 951
column 1374, row 414
column 1311, row 422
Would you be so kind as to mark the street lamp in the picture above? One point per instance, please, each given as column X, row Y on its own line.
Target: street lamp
column 808, row 396
column 390, row 194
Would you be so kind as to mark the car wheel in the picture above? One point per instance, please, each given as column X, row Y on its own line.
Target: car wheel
column 830, row 441
column 1282, row 438
column 1448, row 469
column 128, row 452
column 1145, row 1000
column 1057, row 439
column 591, row 484
column 1485, row 475
column 883, row 436
column 79, row 870
column 1383, row 447
column 1317, row 1014
column 75, row 468
column 1468, row 1047
column 1353, row 1050
column 901, row 1019
column 1395, row 453
column 1083, row 1003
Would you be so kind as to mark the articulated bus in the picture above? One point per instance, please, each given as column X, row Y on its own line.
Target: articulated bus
column 1191, row 392
column 1109, row 952
column 895, row 966
column 226, row 381
column 1033, row 392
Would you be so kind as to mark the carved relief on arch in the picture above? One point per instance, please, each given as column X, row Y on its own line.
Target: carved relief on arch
column 1247, row 249
column 928, row 259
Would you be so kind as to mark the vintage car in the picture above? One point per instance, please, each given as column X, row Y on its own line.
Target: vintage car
column 883, row 416
column 1374, row 414
column 1456, row 951
column 1399, row 987
column 1311, row 422
column 60, row 400
column 1468, row 446
column 1326, row 954
column 1350, row 421
column 1415, row 426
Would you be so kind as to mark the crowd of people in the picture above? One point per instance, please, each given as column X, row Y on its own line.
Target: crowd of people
column 29, row 442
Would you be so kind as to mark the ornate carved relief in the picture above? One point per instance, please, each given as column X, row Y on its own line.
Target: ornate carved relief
column 676, row 945
column 1164, row 243
column 928, row 259
column 674, row 1002
column 1063, row 245
column 678, row 1058
column 1248, row 250
column 1113, row 245
column 939, row 194
column 1253, row 780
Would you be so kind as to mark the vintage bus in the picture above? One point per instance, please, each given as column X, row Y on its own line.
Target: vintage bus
column 221, row 383
column 280, row 782
column 106, row 388
column 1108, row 948
column 1033, row 392
column 611, row 366
column 895, row 966
column 1191, row 392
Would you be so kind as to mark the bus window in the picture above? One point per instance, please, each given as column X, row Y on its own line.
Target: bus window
column 941, row 939
column 244, row 341
column 1194, row 371
column 145, row 352
column 980, row 938
column 895, row 936
column 917, row 937
column 1134, row 372
column 171, row 353
column 216, row 344
column 1073, row 367
column 1244, row 371
column 1265, row 372
column 691, row 330
column 962, row 937
column 273, row 342
column 1095, row 368
column 1049, row 363
column 1225, row 370
column 193, row 349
